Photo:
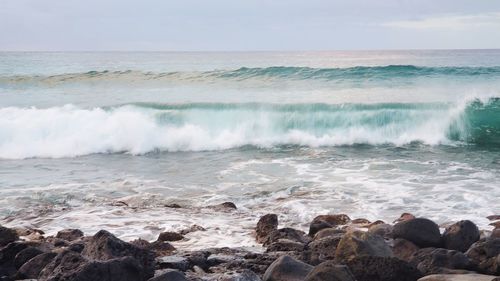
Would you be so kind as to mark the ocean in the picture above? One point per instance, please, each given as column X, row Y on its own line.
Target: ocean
column 109, row 140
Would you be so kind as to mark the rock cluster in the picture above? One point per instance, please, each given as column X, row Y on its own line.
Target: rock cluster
column 336, row 248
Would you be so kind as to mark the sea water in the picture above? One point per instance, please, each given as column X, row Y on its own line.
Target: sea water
column 107, row 140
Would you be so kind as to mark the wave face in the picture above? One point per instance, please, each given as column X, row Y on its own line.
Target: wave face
column 141, row 128
column 267, row 73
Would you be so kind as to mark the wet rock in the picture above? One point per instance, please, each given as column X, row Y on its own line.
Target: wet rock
column 323, row 249
column 327, row 221
column 289, row 234
column 25, row 255
column 285, row 245
column 77, row 247
column 460, row 236
column 267, row 224
column 493, row 217
column 486, row 255
column 360, row 221
column 423, row 232
column 245, row 275
column 32, row 268
column 171, row 275
column 431, row 261
column 173, row 262
column 328, row 232
column 198, row 258
column 384, row 230
column 405, row 217
column 459, row 277
column 225, row 206
column 7, row 235
column 404, row 249
column 358, row 243
column 7, row 256
column 69, row 265
column 173, row 206
column 286, row 268
column 192, row 228
column 330, row 271
column 57, row 242
column 370, row 268
column 170, row 236
column 105, row 246
column 495, row 233
column 69, row 234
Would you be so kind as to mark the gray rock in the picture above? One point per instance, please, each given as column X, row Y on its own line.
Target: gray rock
column 170, row 275
column 25, row 255
column 330, row 271
column 486, row 255
column 174, row 262
column 7, row 235
column 32, row 268
column 423, row 232
column 432, row 261
column 69, row 234
column 460, row 236
column 286, row 268
column 371, row 268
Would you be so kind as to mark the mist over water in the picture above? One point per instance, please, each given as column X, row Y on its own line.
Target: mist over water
column 370, row 134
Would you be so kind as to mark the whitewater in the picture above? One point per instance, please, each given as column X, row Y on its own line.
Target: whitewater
column 370, row 134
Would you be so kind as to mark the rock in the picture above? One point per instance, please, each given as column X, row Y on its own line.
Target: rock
column 361, row 221
column 493, row 217
column 371, row 268
column 486, row 255
column 170, row 236
column 7, row 235
column 226, row 206
column 328, row 232
column 173, row 206
column 289, row 234
column 495, row 233
column 285, row 245
column 323, row 249
column 404, row 249
column 358, row 243
column 384, row 230
column 245, row 275
column 32, row 268
column 173, row 262
column 327, row 221
column 161, row 248
column 329, row 271
column 286, row 268
column 460, row 236
column 431, row 261
column 7, row 256
column 69, row 234
column 25, row 255
column 421, row 231
column 198, row 258
column 69, row 266
column 77, row 247
column 459, row 277
column 57, row 242
column 192, row 228
column 170, row 275
column 405, row 217
column 105, row 246
column 266, row 225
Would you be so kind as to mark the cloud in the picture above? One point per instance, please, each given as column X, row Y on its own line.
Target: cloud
column 453, row 22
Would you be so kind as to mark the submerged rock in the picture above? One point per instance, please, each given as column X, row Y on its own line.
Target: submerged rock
column 423, row 232
column 460, row 236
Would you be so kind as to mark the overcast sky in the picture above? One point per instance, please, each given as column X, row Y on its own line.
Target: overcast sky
column 211, row 25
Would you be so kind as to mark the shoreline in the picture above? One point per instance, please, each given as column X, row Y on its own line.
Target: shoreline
column 336, row 247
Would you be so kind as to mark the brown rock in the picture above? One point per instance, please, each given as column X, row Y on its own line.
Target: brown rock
column 486, row 254
column 404, row 249
column 358, row 243
column 405, row 217
column 69, row 234
column 266, row 225
column 170, row 236
column 328, row 232
column 371, row 268
column 432, row 261
column 327, row 221
column 330, row 271
column 493, row 217
column 423, row 232
column 286, row 268
column 323, row 249
column 460, row 236
column 32, row 268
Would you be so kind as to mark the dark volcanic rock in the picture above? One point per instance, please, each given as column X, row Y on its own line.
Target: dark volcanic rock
column 384, row 230
column 404, row 249
column 7, row 256
column 286, row 268
column 105, row 246
column 368, row 268
column 423, row 232
column 171, row 275
column 170, row 236
column 329, row 271
column 71, row 266
column 486, row 255
column 25, row 255
column 173, row 262
column 495, row 233
column 244, row 275
column 285, row 245
column 430, row 260
column 327, row 221
column 266, row 225
column 358, row 243
column 328, row 232
column 289, row 234
column 7, row 235
column 32, row 268
column 460, row 236
column 69, row 234
column 323, row 249
column 405, row 217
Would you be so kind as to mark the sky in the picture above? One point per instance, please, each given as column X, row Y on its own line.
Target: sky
column 247, row 25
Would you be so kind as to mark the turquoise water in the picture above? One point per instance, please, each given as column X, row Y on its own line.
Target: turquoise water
column 371, row 134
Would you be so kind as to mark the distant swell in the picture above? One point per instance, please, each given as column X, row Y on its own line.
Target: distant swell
column 141, row 128
column 268, row 73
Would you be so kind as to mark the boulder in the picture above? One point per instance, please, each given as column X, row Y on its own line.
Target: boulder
column 173, row 262
column 105, row 246
column 244, row 275
column 7, row 235
column 323, row 249
column 327, row 221
column 359, row 243
column 423, row 232
column 330, row 271
column 289, row 234
column 72, row 266
column 170, row 275
column 495, row 233
column 432, row 261
column 459, row 277
column 285, row 245
column 32, row 268
column 286, row 268
column 384, row 230
column 403, row 249
column 25, row 255
column 226, row 206
column 486, row 255
column 371, row 268
column 405, row 217
column 460, row 236
column 328, row 232
column 266, row 225
column 69, row 234
column 170, row 236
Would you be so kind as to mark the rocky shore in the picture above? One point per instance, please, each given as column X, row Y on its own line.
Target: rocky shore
column 336, row 248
